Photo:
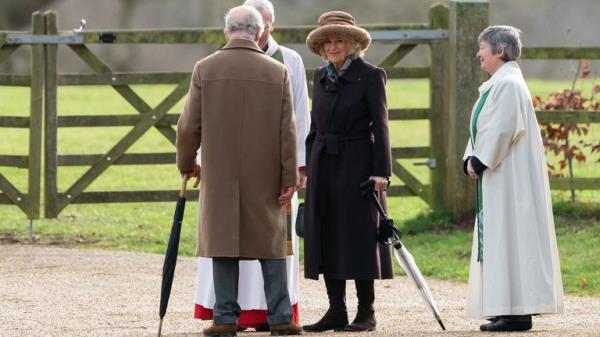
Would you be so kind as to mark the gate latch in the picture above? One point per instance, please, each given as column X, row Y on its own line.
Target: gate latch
column 431, row 163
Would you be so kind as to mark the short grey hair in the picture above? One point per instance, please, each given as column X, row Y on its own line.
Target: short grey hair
column 503, row 37
column 354, row 50
column 248, row 20
column 262, row 6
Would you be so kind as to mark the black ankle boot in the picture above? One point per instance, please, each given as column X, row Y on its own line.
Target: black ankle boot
column 336, row 317
column 364, row 321
column 365, row 317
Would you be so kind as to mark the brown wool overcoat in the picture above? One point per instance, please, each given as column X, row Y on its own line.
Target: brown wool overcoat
column 240, row 109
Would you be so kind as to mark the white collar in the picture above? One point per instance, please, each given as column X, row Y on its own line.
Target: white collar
column 508, row 68
column 272, row 46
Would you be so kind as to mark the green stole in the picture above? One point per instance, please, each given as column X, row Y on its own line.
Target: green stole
column 278, row 55
column 479, row 191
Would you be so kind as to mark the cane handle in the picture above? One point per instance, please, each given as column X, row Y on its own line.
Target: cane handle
column 183, row 185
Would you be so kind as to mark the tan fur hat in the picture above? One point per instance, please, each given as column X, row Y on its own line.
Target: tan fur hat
column 337, row 23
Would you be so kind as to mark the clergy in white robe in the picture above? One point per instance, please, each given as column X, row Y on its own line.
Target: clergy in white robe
column 514, row 268
column 251, row 295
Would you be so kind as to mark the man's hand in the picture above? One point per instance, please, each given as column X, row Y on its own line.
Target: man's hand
column 195, row 173
column 302, row 177
column 286, row 194
column 471, row 171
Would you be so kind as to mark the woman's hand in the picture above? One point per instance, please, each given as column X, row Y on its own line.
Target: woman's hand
column 471, row 171
column 381, row 183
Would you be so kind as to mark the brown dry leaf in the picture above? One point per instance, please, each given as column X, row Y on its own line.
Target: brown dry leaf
column 582, row 282
column 586, row 68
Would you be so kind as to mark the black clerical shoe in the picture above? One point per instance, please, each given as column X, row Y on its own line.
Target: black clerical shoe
column 509, row 323
column 263, row 327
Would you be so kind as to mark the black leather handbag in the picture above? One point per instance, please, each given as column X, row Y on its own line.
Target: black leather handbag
column 300, row 221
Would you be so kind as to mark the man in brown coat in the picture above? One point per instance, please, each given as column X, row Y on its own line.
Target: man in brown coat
column 240, row 109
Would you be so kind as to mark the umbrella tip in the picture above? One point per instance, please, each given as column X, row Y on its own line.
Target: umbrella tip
column 439, row 321
column 160, row 327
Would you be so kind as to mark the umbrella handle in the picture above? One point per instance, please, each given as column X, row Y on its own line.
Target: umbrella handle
column 183, row 185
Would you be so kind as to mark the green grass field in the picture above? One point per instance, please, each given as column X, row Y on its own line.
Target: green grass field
column 440, row 249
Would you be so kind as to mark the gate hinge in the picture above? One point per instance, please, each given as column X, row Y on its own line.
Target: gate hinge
column 107, row 37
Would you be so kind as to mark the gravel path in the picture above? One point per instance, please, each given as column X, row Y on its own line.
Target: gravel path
column 49, row 291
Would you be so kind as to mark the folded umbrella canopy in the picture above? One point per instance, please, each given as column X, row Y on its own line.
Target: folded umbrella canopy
column 390, row 235
column 171, row 255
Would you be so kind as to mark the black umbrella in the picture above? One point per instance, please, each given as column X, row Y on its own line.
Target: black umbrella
column 171, row 254
column 390, row 235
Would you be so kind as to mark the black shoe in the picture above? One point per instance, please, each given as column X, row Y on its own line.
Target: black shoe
column 334, row 319
column 509, row 323
column 364, row 321
column 483, row 327
column 263, row 327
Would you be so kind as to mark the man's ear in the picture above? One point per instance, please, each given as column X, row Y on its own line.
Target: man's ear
column 226, row 35
column 257, row 36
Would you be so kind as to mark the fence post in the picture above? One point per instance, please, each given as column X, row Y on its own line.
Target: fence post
column 35, row 124
column 467, row 19
column 438, row 110
column 51, row 120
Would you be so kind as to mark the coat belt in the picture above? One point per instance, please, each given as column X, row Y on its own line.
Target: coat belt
column 333, row 141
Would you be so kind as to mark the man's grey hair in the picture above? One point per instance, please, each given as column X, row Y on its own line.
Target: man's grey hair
column 503, row 37
column 249, row 21
column 262, row 6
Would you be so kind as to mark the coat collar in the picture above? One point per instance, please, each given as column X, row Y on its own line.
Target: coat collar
column 350, row 73
column 242, row 44
column 508, row 68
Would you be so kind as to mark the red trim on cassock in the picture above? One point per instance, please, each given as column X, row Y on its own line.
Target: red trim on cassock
column 248, row 318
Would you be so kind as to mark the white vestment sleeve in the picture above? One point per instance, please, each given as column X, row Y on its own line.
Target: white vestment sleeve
column 468, row 150
column 300, row 94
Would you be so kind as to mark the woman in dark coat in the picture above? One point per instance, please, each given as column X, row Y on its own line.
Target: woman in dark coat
column 348, row 143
